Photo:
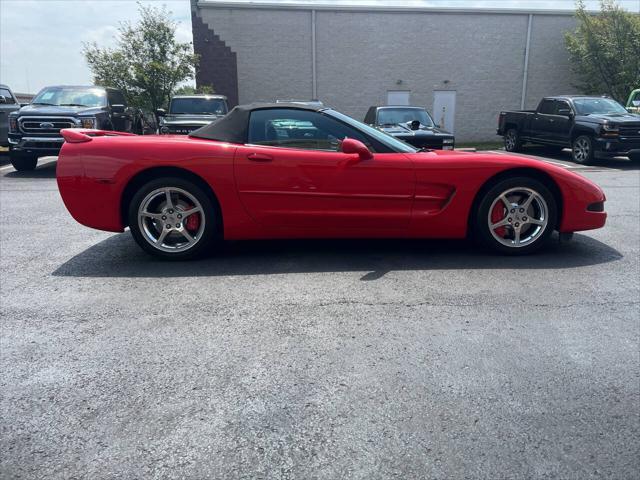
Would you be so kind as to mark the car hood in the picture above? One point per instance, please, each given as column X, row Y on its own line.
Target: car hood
column 184, row 119
column 617, row 118
column 403, row 129
column 54, row 111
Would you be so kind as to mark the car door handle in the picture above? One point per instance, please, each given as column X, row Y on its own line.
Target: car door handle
column 259, row 157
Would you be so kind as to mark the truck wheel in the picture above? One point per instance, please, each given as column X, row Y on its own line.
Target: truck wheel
column 582, row 150
column 23, row 163
column 512, row 142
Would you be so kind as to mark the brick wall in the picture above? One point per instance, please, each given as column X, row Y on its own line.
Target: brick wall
column 362, row 54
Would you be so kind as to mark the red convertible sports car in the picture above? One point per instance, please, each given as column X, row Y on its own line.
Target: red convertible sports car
column 299, row 171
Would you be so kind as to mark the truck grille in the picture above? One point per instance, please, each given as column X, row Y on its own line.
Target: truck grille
column 629, row 131
column 46, row 125
column 434, row 143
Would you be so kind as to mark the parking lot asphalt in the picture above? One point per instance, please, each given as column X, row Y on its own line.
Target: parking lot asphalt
column 317, row 360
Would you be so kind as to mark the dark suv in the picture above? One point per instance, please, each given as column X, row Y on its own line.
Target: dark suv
column 190, row 112
column 8, row 104
column 34, row 130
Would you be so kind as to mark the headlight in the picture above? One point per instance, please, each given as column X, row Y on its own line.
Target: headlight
column 164, row 130
column 88, row 122
column 609, row 130
column 447, row 140
column 13, row 124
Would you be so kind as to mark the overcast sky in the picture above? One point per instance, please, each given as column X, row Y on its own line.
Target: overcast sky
column 41, row 40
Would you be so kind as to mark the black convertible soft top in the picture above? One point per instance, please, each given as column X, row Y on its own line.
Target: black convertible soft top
column 233, row 126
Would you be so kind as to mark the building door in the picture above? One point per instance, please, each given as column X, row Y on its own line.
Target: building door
column 444, row 108
column 398, row 97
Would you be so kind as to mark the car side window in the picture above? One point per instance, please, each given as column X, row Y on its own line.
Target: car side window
column 304, row 129
column 7, row 95
column 561, row 105
column 547, row 107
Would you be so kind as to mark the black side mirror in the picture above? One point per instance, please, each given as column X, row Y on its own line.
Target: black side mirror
column 3, row 99
column 565, row 111
column 161, row 112
column 117, row 108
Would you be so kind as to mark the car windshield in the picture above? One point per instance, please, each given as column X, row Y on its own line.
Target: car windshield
column 202, row 106
column 588, row 106
column 384, row 138
column 72, row 96
column 392, row 116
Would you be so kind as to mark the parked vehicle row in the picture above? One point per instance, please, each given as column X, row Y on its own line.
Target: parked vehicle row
column 300, row 171
column 593, row 127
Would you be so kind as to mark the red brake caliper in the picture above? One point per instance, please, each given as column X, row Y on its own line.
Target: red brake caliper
column 497, row 214
column 192, row 222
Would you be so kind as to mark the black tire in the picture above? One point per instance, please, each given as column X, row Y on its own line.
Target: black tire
column 582, row 150
column 203, row 241
column 23, row 163
column 483, row 231
column 512, row 141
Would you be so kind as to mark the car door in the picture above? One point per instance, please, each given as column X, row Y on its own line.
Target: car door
column 291, row 174
column 122, row 121
column 541, row 124
column 560, row 123
column 8, row 104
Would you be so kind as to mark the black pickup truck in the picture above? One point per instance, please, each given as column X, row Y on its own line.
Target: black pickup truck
column 34, row 130
column 593, row 127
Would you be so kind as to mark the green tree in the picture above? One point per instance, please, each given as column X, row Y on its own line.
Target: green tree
column 147, row 63
column 605, row 50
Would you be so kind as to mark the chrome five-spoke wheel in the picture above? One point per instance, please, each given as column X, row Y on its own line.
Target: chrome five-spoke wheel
column 517, row 217
column 171, row 219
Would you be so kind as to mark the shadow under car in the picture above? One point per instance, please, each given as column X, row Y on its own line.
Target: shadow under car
column 119, row 256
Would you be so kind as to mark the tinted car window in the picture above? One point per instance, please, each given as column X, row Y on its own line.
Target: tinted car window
column 561, row 105
column 547, row 107
column 303, row 129
column 116, row 97
column 7, row 95
column 206, row 106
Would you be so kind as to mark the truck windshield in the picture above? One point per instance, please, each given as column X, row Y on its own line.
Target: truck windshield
column 202, row 106
column 588, row 106
column 72, row 97
column 392, row 116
